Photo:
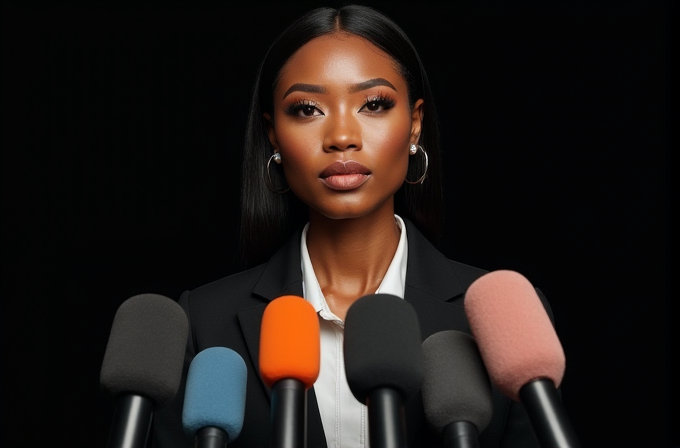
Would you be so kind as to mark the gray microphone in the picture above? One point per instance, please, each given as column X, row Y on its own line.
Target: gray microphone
column 142, row 365
column 457, row 389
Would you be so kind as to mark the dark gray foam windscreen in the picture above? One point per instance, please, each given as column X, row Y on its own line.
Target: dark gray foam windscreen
column 457, row 386
column 145, row 350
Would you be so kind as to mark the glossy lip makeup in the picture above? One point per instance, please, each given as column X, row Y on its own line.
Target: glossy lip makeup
column 343, row 176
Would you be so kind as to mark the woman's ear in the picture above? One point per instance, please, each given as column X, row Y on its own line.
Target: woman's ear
column 270, row 131
column 416, row 120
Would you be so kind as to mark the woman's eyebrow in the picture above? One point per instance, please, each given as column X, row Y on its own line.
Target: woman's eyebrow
column 300, row 87
column 314, row 88
column 371, row 83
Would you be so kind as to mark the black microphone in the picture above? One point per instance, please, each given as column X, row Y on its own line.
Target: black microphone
column 457, row 389
column 384, row 363
column 215, row 397
column 142, row 365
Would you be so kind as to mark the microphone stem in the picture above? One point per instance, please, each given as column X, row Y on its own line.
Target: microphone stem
column 548, row 417
column 131, row 422
column 211, row 437
column 386, row 421
column 461, row 435
column 289, row 414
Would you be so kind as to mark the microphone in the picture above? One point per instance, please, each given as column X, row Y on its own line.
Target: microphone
column 142, row 365
column 521, row 351
column 215, row 397
column 456, row 389
column 290, row 351
column 384, row 363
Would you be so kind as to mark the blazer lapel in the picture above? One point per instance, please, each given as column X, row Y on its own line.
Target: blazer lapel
column 281, row 276
column 250, row 319
column 433, row 286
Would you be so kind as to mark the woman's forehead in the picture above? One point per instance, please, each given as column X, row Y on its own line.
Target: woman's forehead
column 339, row 59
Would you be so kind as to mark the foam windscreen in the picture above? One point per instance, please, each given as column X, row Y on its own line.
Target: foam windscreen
column 145, row 351
column 290, row 345
column 215, row 393
column 514, row 333
column 383, row 346
column 457, row 387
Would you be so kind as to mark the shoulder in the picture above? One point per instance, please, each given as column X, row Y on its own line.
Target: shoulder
column 434, row 271
column 223, row 296
column 232, row 284
column 214, row 310
column 428, row 263
column 465, row 273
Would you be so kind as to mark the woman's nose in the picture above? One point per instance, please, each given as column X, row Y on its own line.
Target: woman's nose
column 343, row 133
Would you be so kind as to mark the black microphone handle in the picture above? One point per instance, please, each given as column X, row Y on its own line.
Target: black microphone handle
column 289, row 414
column 131, row 422
column 386, row 420
column 461, row 435
column 211, row 437
column 548, row 417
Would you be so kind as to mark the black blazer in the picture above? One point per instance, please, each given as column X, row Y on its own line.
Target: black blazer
column 228, row 313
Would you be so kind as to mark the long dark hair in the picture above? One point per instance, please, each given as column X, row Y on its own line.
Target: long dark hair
column 267, row 218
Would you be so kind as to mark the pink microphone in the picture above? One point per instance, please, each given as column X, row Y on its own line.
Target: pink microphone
column 521, row 351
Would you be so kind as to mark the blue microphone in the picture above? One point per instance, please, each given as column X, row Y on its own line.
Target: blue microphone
column 215, row 397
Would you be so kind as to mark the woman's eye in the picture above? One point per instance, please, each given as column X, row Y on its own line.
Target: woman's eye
column 307, row 110
column 303, row 109
column 375, row 106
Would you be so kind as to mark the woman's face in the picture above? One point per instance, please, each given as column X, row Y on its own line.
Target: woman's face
column 343, row 126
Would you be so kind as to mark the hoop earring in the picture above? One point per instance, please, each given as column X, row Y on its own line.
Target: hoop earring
column 413, row 149
column 277, row 158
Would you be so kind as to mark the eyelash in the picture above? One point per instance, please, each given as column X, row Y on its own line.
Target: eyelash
column 380, row 101
column 298, row 106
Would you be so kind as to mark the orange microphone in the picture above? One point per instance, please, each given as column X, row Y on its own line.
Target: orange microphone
column 290, row 351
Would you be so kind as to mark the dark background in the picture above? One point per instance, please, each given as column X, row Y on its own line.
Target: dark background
column 121, row 132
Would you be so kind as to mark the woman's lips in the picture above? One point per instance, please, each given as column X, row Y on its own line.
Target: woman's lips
column 345, row 175
column 345, row 181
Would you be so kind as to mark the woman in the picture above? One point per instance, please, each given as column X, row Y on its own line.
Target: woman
column 341, row 198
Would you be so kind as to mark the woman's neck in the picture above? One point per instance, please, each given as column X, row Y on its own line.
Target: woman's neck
column 351, row 256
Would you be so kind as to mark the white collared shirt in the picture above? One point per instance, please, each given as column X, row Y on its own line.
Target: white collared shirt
column 344, row 418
